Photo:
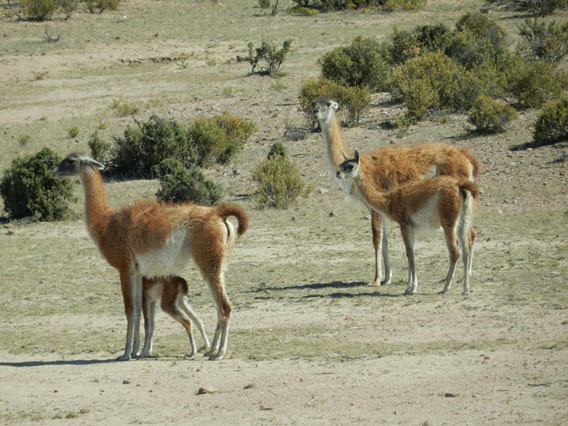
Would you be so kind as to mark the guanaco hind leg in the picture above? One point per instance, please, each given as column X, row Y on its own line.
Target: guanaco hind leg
column 408, row 238
column 224, row 308
column 454, row 255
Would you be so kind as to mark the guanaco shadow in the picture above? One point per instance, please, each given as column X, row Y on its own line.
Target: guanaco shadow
column 314, row 287
column 58, row 362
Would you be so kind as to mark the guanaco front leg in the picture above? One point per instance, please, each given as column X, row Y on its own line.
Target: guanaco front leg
column 380, row 242
column 131, row 285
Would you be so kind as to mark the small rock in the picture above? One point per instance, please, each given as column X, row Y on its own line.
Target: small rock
column 451, row 395
column 332, row 214
column 323, row 191
column 205, row 389
column 126, row 382
column 250, row 386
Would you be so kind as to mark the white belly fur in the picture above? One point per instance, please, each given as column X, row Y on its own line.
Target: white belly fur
column 427, row 219
column 155, row 292
column 168, row 260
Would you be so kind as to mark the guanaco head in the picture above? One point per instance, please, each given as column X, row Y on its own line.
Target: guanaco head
column 324, row 108
column 350, row 168
column 73, row 164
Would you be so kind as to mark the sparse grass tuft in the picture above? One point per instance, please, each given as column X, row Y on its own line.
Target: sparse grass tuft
column 124, row 108
column 73, row 132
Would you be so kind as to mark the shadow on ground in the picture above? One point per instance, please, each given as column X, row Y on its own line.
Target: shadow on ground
column 58, row 362
column 313, row 290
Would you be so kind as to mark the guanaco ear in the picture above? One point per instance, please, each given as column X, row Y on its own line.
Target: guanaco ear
column 93, row 162
column 356, row 156
column 345, row 157
column 334, row 105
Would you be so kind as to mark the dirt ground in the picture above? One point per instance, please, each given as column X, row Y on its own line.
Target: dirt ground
column 311, row 342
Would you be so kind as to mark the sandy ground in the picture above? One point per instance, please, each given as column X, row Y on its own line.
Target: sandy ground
column 520, row 380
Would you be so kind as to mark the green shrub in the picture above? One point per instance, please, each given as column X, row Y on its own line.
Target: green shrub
column 237, row 131
column 219, row 138
column 142, row 147
column 552, row 122
column 387, row 5
column 482, row 26
column 544, row 42
column 312, row 89
column 362, row 63
column 392, row 5
column 305, row 11
column 535, row 7
column 39, row 10
column 209, row 141
column 430, row 82
column 68, row 7
column 535, row 83
column 267, row 54
column 354, row 101
column 203, row 142
column 471, row 51
column 408, row 44
column 100, row 148
column 279, row 183
column 178, row 184
column 489, row 115
column 478, row 40
column 99, row 6
column 264, row 4
column 330, row 5
column 403, row 46
column 29, row 190
column 277, row 150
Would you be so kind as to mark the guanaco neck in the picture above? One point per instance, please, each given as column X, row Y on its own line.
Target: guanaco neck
column 96, row 208
column 376, row 200
column 334, row 142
